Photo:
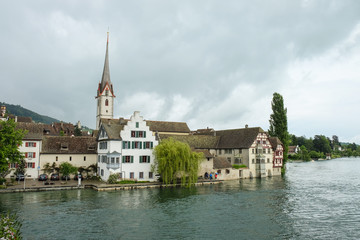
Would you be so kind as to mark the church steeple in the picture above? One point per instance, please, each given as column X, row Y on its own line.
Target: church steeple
column 106, row 72
column 105, row 93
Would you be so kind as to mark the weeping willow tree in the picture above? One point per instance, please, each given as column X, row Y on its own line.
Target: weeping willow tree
column 174, row 160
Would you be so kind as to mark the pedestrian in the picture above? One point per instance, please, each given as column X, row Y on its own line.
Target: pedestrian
column 215, row 175
column 210, row 176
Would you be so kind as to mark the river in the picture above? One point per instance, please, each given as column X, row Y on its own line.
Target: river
column 315, row 200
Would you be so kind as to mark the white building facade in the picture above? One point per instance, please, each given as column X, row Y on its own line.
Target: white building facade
column 125, row 148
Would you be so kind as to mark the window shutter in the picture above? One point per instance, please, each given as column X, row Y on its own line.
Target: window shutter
column 132, row 159
column 148, row 159
column 16, row 165
column 34, row 144
column 151, row 144
column 33, row 165
column 123, row 145
column 34, row 155
column 140, row 160
column 144, row 134
column 26, row 165
column 140, row 145
column 133, row 145
column 137, row 134
column 26, row 144
column 144, row 145
column 26, row 155
column 123, row 159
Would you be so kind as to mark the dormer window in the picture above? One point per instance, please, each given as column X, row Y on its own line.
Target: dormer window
column 64, row 147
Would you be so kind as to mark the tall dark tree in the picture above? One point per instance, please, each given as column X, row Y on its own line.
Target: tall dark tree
column 10, row 139
column 278, row 123
column 77, row 131
column 321, row 144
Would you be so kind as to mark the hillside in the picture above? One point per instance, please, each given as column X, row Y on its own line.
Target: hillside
column 18, row 110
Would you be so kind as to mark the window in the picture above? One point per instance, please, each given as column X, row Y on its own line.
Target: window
column 84, row 158
column 269, row 150
column 219, row 151
column 30, row 165
column 268, row 160
column 127, row 159
column 132, row 175
column 258, row 141
column 237, row 160
column 137, row 134
column 227, row 171
column 103, row 145
column 30, row 144
column 112, row 160
column 141, row 175
column 264, row 142
column 228, row 151
column 219, row 171
column 144, row 159
column 150, row 174
column 120, row 175
column 103, row 158
column 106, row 102
column 253, row 161
column 137, row 124
column 148, row 145
column 13, row 165
column 30, row 155
column 117, row 160
column 136, row 145
column 126, row 145
column 229, row 159
column 70, row 158
column 102, row 172
column 56, row 158
column 253, row 150
column 240, row 151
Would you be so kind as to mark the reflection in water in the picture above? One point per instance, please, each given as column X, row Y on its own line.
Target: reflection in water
column 316, row 200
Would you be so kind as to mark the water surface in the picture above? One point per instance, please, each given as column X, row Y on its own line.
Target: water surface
column 316, row 200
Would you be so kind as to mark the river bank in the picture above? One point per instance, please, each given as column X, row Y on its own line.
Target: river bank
column 38, row 186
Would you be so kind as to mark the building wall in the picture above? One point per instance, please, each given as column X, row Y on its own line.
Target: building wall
column 31, row 150
column 77, row 160
column 130, row 170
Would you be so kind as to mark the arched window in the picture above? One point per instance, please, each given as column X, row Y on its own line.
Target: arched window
column 106, row 102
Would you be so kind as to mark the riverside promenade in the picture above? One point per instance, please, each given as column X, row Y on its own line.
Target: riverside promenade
column 30, row 185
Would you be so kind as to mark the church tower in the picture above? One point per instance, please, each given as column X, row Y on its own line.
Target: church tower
column 105, row 93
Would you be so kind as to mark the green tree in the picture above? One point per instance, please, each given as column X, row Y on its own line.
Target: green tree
column 77, row 131
column 21, row 168
column 321, row 144
column 304, row 154
column 278, row 123
column 10, row 139
column 66, row 169
column 175, row 160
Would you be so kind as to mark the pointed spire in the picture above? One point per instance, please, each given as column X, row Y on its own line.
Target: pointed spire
column 106, row 73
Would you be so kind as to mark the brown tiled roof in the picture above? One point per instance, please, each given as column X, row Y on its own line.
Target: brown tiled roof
column 292, row 149
column 21, row 118
column 68, row 145
column 275, row 141
column 195, row 141
column 237, row 138
column 221, row 162
column 170, row 127
column 35, row 130
column 206, row 153
column 113, row 127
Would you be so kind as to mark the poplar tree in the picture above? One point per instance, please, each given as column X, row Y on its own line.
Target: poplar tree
column 278, row 123
column 10, row 140
column 175, row 161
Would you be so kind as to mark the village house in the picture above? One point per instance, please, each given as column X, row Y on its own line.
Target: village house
column 125, row 146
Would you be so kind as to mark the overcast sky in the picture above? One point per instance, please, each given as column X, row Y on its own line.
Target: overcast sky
column 209, row 63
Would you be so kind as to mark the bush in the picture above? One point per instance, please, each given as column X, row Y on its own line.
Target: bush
column 2, row 181
column 113, row 178
column 9, row 227
column 236, row 166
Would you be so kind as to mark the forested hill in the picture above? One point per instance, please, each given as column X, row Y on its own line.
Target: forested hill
column 18, row 110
